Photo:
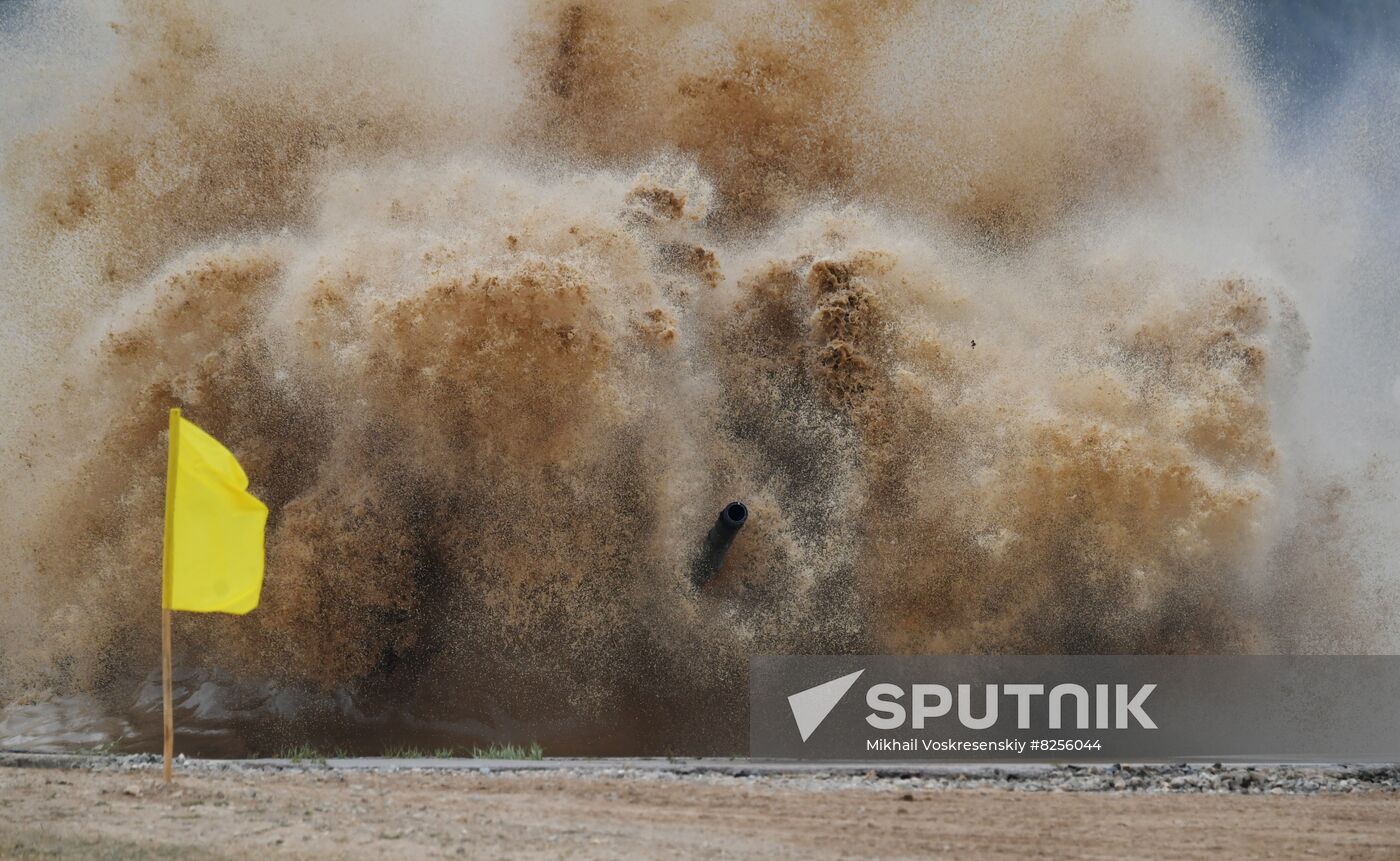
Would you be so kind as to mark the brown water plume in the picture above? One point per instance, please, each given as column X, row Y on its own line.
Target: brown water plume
column 498, row 307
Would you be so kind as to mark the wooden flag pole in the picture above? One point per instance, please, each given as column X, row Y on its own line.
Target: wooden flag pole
column 165, row 573
column 165, row 686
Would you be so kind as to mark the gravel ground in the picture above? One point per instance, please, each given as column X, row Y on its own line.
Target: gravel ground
column 1151, row 778
column 116, row 807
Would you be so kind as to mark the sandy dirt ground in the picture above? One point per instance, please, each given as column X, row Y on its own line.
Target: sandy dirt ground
column 60, row 814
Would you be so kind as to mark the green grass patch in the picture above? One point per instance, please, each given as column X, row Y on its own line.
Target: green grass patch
column 97, row 749
column 306, row 752
column 509, row 751
column 303, row 752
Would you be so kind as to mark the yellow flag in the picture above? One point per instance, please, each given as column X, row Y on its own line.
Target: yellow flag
column 213, row 527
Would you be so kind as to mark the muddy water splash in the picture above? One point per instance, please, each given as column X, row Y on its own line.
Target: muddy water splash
column 497, row 309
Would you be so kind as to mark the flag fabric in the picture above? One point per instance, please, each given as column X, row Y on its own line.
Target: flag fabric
column 213, row 527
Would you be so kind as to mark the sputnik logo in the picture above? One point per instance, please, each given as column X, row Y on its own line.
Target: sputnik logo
column 810, row 707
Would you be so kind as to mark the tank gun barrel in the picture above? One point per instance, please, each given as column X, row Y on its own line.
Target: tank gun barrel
column 711, row 557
